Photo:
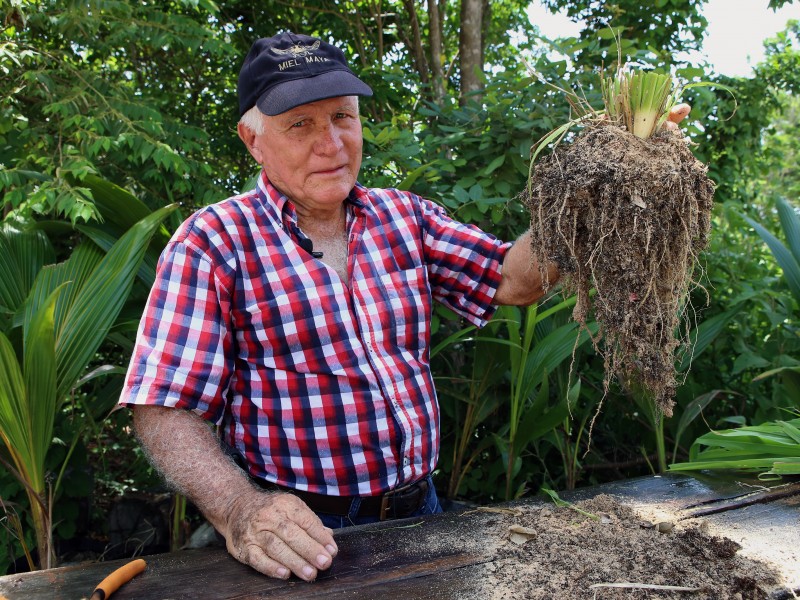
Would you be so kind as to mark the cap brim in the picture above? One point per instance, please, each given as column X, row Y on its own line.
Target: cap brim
column 291, row 94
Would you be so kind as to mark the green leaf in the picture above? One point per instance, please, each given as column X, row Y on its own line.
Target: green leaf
column 75, row 270
column 39, row 368
column 14, row 409
column 98, row 303
column 785, row 259
column 566, row 303
column 495, row 164
column 790, row 430
column 790, row 223
column 147, row 270
column 755, row 447
column 22, row 256
column 748, row 360
column 702, row 337
column 116, row 204
column 772, row 372
column 692, row 411
column 785, row 466
column 452, row 339
column 534, row 427
column 552, row 351
column 476, row 192
column 412, row 177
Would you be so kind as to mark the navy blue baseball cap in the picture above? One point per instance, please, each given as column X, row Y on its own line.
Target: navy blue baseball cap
column 289, row 69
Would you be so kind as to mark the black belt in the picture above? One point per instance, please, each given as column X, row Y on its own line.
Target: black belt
column 395, row 504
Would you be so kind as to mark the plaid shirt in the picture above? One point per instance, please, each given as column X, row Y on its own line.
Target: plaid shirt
column 321, row 385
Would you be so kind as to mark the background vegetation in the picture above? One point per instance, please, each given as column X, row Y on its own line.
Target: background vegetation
column 111, row 110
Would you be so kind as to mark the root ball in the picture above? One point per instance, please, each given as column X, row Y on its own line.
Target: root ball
column 628, row 218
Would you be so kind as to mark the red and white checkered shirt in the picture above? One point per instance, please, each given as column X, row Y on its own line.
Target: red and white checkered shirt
column 322, row 385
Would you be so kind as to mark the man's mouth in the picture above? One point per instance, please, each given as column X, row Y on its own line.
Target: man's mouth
column 331, row 171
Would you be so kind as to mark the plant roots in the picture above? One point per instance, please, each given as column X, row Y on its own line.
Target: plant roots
column 628, row 218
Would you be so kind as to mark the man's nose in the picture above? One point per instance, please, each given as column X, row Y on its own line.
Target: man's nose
column 328, row 140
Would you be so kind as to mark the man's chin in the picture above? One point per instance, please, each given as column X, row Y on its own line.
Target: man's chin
column 338, row 192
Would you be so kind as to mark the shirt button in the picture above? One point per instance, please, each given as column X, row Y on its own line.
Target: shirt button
column 406, row 461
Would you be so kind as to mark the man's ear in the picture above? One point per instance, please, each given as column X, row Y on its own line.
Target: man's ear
column 249, row 138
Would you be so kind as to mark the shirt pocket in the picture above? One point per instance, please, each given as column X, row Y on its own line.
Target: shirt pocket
column 406, row 308
column 295, row 328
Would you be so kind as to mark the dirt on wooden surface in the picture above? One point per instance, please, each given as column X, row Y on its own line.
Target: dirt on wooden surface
column 559, row 553
column 627, row 218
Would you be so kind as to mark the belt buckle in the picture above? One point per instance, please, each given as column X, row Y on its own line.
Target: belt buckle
column 386, row 498
column 384, row 514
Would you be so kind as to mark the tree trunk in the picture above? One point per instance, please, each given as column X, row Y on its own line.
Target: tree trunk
column 42, row 525
column 435, row 40
column 470, row 47
column 415, row 43
column 486, row 21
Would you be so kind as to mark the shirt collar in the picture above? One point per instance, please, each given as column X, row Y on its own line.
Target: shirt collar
column 282, row 208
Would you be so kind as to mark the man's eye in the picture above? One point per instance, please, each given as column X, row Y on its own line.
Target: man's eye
column 298, row 124
column 341, row 115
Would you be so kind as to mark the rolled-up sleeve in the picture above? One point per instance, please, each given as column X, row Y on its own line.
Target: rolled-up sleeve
column 182, row 357
column 465, row 264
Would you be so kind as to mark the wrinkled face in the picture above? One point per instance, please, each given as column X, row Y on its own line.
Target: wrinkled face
column 311, row 153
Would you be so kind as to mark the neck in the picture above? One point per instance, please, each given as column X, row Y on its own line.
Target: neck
column 328, row 233
column 323, row 223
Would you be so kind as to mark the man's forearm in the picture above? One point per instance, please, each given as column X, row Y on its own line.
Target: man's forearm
column 522, row 282
column 273, row 532
column 185, row 451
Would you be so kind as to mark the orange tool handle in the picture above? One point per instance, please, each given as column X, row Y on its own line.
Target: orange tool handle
column 120, row 577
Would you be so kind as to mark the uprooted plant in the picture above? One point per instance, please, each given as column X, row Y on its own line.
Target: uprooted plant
column 625, row 208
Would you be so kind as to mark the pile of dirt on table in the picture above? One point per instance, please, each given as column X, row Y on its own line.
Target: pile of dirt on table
column 557, row 553
column 627, row 217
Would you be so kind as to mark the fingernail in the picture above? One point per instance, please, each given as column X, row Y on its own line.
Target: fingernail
column 322, row 560
column 283, row 573
column 331, row 549
column 308, row 571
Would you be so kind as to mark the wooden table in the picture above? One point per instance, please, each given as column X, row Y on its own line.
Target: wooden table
column 387, row 560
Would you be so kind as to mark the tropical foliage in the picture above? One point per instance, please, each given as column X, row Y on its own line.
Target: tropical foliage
column 59, row 315
column 111, row 110
column 772, row 450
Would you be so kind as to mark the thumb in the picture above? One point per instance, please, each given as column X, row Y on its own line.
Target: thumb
column 679, row 112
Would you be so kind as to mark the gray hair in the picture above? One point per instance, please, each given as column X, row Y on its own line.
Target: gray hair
column 253, row 119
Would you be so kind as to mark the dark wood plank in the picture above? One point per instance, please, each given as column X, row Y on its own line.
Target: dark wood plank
column 412, row 581
column 425, row 558
column 749, row 498
column 678, row 491
column 768, row 531
column 397, row 551
column 451, row 584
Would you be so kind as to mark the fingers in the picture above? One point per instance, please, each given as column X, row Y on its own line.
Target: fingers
column 678, row 113
column 273, row 554
column 280, row 535
column 254, row 556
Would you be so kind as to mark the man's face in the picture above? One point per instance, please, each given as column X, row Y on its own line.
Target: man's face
column 311, row 153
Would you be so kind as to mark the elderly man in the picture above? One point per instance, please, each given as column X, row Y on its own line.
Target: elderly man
column 296, row 318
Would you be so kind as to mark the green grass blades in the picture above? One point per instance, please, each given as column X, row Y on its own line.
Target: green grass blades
column 560, row 502
column 638, row 100
column 771, row 450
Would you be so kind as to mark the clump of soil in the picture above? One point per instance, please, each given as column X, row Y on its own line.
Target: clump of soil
column 628, row 218
column 563, row 553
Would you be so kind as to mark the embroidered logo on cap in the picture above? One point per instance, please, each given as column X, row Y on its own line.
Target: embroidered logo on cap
column 299, row 51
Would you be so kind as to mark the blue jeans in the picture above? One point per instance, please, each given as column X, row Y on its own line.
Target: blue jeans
column 429, row 507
